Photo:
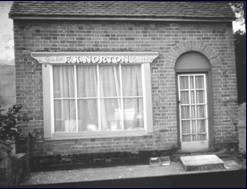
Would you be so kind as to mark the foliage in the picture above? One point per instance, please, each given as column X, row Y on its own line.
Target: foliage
column 9, row 127
column 239, row 11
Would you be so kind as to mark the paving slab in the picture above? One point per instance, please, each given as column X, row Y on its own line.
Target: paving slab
column 118, row 172
column 202, row 162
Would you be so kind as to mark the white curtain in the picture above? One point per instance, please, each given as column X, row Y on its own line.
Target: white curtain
column 64, row 102
column 87, row 98
column 110, row 101
column 132, row 97
column 112, row 112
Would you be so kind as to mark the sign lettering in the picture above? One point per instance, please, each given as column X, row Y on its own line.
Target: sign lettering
column 97, row 59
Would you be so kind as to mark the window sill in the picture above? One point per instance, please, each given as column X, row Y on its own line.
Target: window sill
column 98, row 134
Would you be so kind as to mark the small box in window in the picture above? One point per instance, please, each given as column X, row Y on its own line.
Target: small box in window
column 165, row 160
column 70, row 125
column 154, row 161
column 91, row 127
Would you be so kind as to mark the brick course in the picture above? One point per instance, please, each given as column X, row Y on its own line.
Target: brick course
column 214, row 40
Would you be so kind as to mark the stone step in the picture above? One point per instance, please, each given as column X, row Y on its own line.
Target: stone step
column 201, row 162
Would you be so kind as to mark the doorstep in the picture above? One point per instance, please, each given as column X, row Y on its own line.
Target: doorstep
column 118, row 172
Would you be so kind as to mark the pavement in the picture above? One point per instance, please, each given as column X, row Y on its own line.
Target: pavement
column 121, row 172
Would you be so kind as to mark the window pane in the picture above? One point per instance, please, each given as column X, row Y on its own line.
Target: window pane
column 87, row 115
column 201, row 111
column 64, row 112
column 201, row 126
column 185, row 126
column 201, row 137
column 186, row 138
column 132, row 80
column 185, row 112
column 110, row 114
column 184, row 97
column 87, row 81
column 192, row 82
column 192, row 94
column 200, row 98
column 133, row 113
column 64, row 83
column 193, row 111
column 199, row 82
column 193, row 125
column 109, row 81
column 184, row 82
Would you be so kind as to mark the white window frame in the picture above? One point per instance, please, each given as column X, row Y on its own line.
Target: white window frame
column 194, row 144
column 48, row 102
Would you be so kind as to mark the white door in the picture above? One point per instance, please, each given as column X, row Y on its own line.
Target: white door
column 193, row 112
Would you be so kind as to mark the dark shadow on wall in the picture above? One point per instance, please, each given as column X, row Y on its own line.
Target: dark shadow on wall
column 240, row 48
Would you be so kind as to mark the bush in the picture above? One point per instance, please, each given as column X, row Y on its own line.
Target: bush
column 9, row 127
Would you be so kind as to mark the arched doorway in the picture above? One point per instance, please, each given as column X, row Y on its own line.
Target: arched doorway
column 192, row 70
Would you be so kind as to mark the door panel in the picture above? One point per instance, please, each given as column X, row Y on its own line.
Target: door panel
column 193, row 115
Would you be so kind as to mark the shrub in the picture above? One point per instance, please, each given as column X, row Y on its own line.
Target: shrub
column 9, row 127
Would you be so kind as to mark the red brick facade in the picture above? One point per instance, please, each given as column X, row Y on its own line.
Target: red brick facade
column 170, row 39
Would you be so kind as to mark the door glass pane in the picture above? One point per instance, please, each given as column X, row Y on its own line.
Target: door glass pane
column 110, row 114
column 87, row 81
column 201, row 111
column 185, row 127
column 132, row 80
column 199, row 82
column 109, row 81
column 87, row 115
column 201, row 137
column 192, row 82
column 184, row 82
column 192, row 93
column 186, row 138
column 201, row 126
column 200, row 97
column 184, row 97
column 185, row 112
column 193, row 111
column 63, row 81
column 193, row 125
column 64, row 115
column 133, row 113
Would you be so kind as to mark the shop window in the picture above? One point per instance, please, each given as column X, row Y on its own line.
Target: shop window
column 96, row 94
column 97, row 98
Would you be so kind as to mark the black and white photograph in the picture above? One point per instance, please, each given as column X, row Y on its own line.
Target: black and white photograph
column 122, row 94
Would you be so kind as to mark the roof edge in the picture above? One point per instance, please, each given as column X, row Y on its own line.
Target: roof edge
column 122, row 18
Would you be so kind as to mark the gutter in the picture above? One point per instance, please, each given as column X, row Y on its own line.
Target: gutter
column 122, row 18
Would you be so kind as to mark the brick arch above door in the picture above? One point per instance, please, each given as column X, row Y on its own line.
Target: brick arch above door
column 211, row 53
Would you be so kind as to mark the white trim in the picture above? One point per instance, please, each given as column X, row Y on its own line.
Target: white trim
column 179, row 109
column 68, row 58
column 191, row 129
column 99, row 134
column 47, row 107
column 52, row 101
column 147, row 97
column 206, row 107
column 98, row 99
column 49, row 128
column 121, row 97
column 76, row 99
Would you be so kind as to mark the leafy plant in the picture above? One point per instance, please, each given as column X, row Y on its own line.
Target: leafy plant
column 9, row 127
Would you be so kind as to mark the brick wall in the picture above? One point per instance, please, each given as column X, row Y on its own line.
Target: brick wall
column 215, row 40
